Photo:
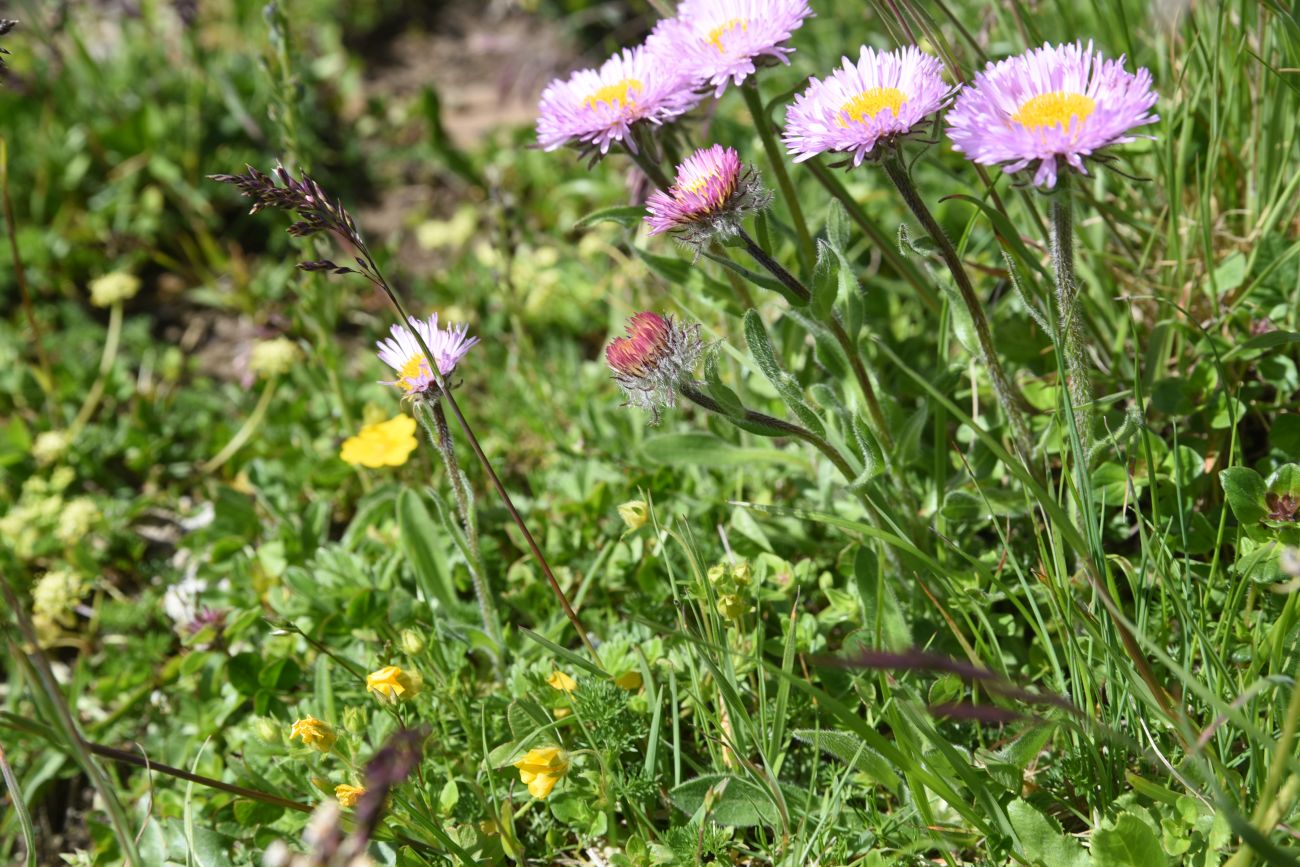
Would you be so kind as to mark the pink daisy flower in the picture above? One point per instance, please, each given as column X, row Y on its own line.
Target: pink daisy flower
column 403, row 354
column 717, row 42
column 712, row 194
column 597, row 107
column 1056, row 102
column 654, row 357
column 882, row 96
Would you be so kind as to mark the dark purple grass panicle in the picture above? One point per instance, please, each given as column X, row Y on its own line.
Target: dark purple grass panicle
column 6, row 24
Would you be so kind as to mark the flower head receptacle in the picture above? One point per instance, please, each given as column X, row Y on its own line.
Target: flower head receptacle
column 712, row 194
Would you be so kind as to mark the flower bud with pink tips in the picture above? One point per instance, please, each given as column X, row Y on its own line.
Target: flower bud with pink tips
column 655, row 357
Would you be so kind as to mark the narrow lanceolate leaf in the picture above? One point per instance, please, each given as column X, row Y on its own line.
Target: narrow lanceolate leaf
column 725, row 397
column 419, row 533
column 760, row 346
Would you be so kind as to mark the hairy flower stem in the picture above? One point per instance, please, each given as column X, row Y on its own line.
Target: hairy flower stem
column 807, row 252
column 372, row 273
column 1070, row 329
column 1006, row 395
column 246, row 431
column 434, row 421
column 847, row 343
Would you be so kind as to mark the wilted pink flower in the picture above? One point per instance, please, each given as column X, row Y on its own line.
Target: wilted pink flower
column 1058, row 101
column 597, row 107
column 403, row 354
column 652, row 359
column 718, row 42
column 712, row 194
column 882, row 96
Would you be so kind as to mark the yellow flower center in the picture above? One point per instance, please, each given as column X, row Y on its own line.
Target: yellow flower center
column 411, row 370
column 869, row 103
column 1058, row 108
column 696, row 184
column 614, row 95
column 716, row 34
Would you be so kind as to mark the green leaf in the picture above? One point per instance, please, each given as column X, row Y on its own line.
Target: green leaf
column 760, row 346
column 852, row 751
column 881, row 614
column 725, row 397
column 825, row 281
column 625, row 215
column 1245, row 490
column 420, row 535
column 731, row 800
column 672, row 269
column 1130, row 843
column 702, row 449
column 1042, row 840
column 838, row 227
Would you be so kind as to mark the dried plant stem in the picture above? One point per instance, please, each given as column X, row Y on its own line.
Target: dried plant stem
column 20, row 274
column 435, row 424
column 846, row 343
column 896, row 168
column 372, row 273
column 49, row 686
column 807, row 252
column 246, row 431
column 1070, row 329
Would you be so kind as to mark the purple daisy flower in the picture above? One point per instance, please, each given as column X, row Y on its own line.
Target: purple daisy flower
column 403, row 354
column 598, row 107
column 712, row 194
column 883, row 96
column 1055, row 102
column 718, row 41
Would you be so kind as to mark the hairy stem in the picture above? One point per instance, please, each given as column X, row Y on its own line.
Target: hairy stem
column 807, row 252
column 1006, row 395
column 836, row 326
column 1070, row 329
column 435, row 424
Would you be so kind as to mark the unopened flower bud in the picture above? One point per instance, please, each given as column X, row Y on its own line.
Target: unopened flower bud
column 354, row 720
column 413, row 643
column 634, row 514
column 651, row 361
column 266, row 729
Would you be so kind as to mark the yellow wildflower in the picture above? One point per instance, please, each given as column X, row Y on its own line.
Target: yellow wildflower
column 634, row 514
column 386, row 444
column 561, row 681
column 314, row 733
column 631, row 681
column 541, row 769
column 348, row 795
column 392, row 682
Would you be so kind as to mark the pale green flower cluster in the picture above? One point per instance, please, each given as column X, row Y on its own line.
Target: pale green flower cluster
column 113, row 288
column 79, row 517
column 36, row 515
column 54, row 597
column 274, row 357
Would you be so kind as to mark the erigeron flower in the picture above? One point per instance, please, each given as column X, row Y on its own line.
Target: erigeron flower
column 654, row 357
column 394, row 683
column 634, row 513
column 541, row 769
column 712, row 193
column 561, row 681
column 721, row 42
column 880, row 98
column 274, row 357
column 595, row 108
column 1057, row 102
column 402, row 352
column 78, row 518
column 348, row 795
column 113, row 288
column 314, row 733
column 386, row 444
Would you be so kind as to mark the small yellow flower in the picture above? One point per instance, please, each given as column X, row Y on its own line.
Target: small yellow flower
column 392, row 682
column 111, row 288
column 561, row 681
column 634, row 514
column 314, row 733
column 541, row 769
column 386, row 444
column 631, row 681
column 348, row 795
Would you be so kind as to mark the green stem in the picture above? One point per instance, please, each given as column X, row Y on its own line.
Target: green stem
column 847, row 344
column 246, row 431
column 111, row 342
column 651, row 169
column 20, row 274
column 896, row 168
column 1261, row 819
column 435, row 422
column 807, row 252
column 1067, row 306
